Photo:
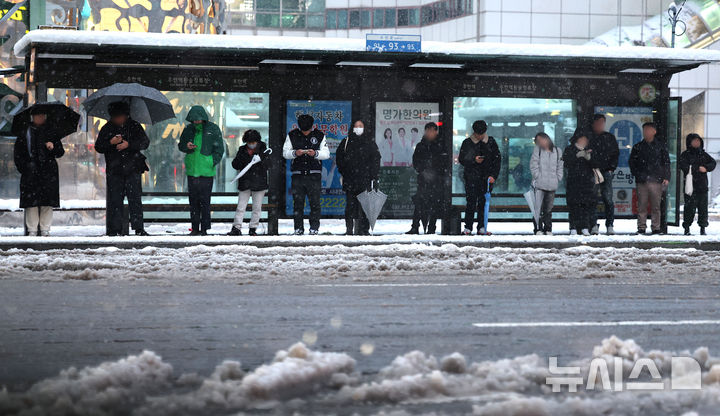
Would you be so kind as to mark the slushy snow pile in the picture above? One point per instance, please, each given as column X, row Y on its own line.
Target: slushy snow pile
column 302, row 381
column 327, row 264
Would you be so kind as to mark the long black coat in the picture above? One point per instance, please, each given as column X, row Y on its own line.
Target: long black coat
column 430, row 162
column 39, row 182
column 255, row 179
column 130, row 160
column 358, row 161
column 580, row 179
column 696, row 158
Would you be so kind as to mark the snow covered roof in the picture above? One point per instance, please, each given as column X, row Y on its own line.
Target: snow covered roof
column 629, row 54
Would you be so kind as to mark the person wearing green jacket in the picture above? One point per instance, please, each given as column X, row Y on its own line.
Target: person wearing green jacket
column 202, row 141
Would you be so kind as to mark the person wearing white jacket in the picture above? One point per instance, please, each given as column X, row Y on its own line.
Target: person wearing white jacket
column 546, row 166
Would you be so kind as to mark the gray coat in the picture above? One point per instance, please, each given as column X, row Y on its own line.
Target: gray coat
column 546, row 168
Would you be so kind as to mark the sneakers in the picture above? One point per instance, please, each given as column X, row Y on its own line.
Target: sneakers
column 313, row 232
column 252, row 231
column 585, row 232
column 538, row 232
column 610, row 230
column 483, row 231
column 657, row 232
column 299, row 231
column 32, row 233
column 235, row 232
column 595, row 230
column 466, row 232
column 44, row 233
column 573, row 232
column 641, row 231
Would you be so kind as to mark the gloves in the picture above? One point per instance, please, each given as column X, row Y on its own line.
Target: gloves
column 584, row 154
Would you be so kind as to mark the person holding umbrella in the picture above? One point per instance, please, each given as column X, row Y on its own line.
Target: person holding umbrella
column 546, row 166
column 121, row 140
column 480, row 156
column 36, row 148
column 202, row 141
column 253, row 183
column 358, row 161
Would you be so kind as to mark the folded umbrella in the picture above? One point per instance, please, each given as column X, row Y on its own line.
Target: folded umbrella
column 147, row 105
column 372, row 203
column 59, row 116
column 534, row 209
column 488, row 195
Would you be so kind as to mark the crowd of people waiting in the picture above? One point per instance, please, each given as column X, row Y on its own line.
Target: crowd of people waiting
column 588, row 164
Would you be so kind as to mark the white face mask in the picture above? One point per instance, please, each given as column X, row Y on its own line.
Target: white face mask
column 252, row 145
column 358, row 130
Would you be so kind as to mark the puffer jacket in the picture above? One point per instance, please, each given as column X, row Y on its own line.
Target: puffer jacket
column 546, row 168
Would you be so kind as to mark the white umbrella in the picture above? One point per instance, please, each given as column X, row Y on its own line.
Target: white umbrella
column 255, row 159
column 530, row 198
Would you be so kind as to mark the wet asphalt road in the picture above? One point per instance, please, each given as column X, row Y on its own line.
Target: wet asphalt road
column 48, row 326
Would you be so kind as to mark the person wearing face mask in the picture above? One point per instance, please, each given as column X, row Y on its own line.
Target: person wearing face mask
column 358, row 161
column 253, row 183
column 306, row 148
column 580, row 183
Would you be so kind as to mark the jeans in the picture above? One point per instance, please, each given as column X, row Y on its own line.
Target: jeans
column 698, row 201
column 544, row 200
column 606, row 195
column 199, row 192
column 309, row 186
column 649, row 192
column 243, row 198
column 119, row 187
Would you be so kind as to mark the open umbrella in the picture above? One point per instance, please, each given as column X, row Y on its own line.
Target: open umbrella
column 59, row 116
column 534, row 209
column 147, row 105
column 372, row 202
column 488, row 195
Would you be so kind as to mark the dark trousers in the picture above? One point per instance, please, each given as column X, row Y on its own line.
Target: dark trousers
column 475, row 202
column 309, row 186
column 545, row 201
column 199, row 192
column 355, row 220
column 428, row 206
column 698, row 201
column 606, row 195
column 580, row 215
column 119, row 187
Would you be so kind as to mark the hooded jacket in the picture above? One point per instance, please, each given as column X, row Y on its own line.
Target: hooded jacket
column 694, row 158
column 650, row 161
column 208, row 137
column 546, row 168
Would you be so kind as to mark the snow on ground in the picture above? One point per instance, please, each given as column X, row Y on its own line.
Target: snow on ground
column 338, row 263
column 304, row 381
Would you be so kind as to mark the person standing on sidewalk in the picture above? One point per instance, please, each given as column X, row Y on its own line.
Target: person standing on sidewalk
column 306, row 148
column 480, row 156
column 253, row 183
column 203, row 144
column 696, row 160
column 546, row 167
column 580, row 183
column 605, row 154
column 429, row 161
column 650, row 165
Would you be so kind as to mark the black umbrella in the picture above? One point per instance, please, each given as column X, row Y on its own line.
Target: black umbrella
column 147, row 105
column 59, row 116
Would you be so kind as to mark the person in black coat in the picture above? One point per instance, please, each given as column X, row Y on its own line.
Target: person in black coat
column 480, row 157
column 121, row 140
column 430, row 162
column 650, row 165
column 696, row 160
column 35, row 153
column 605, row 154
column 358, row 161
column 253, row 183
column 580, row 182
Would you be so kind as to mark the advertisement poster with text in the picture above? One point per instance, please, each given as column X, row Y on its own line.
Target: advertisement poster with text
column 625, row 123
column 333, row 118
column 398, row 128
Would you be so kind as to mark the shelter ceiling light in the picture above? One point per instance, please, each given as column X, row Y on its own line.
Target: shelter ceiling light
column 437, row 66
column 358, row 63
column 289, row 62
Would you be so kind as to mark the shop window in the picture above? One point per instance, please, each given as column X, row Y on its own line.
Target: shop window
column 513, row 122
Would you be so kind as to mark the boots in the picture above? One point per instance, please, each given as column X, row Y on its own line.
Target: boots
column 687, row 230
column 235, row 232
column 252, row 231
column 702, row 231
